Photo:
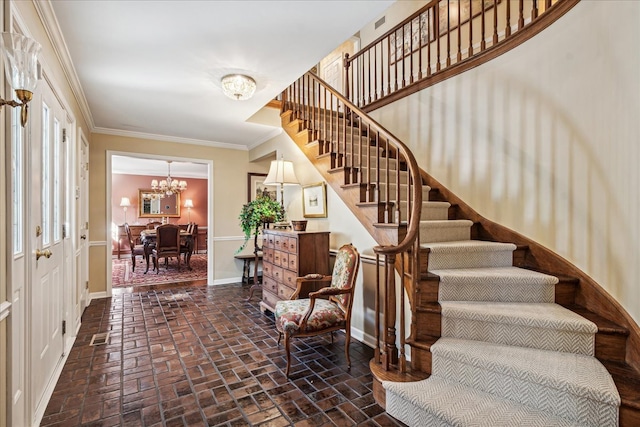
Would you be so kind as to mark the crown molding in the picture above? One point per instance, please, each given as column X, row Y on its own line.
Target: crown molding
column 143, row 135
column 272, row 134
column 52, row 28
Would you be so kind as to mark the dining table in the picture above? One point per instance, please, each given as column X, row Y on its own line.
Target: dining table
column 148, row 239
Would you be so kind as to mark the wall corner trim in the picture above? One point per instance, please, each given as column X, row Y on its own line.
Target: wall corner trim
column 5, row 309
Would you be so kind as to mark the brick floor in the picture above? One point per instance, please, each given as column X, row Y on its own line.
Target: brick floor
column 201, row 356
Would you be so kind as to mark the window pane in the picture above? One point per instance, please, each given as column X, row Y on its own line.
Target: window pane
column 56, row 180
column 46, row 176
column 17, row 182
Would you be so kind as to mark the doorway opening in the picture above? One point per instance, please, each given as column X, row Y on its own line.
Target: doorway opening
column 135, row 197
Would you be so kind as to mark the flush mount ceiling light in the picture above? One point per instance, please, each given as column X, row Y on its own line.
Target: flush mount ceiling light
column 238, row 86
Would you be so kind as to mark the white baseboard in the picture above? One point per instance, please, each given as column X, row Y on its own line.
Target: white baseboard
column 370, row 341
column 96, row 295
column 48, row 391
column 363, row 338
column 228, row 281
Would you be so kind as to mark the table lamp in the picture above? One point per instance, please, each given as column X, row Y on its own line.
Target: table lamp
column 125, row 203
column 188, row 204
column 281, row 173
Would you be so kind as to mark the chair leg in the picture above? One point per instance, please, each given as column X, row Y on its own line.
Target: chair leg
column 287, row 339
column 133, row 263
column 347, row 340
column 279, row 338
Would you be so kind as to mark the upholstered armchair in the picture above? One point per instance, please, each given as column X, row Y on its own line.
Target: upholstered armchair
column 326, row 310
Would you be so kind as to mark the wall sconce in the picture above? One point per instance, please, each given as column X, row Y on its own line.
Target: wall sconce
column 20, row 56
column 281, row 173
column 188, row 204
column 125, row 203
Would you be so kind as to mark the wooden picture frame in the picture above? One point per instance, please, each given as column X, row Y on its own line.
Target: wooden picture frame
column 314, row 200
column 255, row 184
column 149, row 206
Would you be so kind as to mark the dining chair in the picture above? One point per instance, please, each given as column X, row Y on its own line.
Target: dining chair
column 187, row 248
column 167, row 245
column 153, row 224
column 135, row 249
column 326, row 310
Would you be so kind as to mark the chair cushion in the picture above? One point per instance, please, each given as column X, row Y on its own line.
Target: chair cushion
column 325, row 315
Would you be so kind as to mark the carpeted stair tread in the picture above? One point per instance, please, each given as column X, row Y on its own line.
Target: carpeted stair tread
column 543, row 315
column 440, row 402
column 434, row 210
column 580, row 375
column 468, row 246
column 445, row 230
column 536, row 325
column 468, row 254
column 499, row 284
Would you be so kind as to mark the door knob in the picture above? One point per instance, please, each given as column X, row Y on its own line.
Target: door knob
column 46, row 253
column 83, row 237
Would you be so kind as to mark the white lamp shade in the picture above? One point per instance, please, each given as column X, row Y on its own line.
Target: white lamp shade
column 125, row 202
column 188, row 203
column 21, row 61
column 281, row 172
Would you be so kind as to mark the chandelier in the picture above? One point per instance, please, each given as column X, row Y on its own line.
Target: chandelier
column 238, row 86
column 169, row 186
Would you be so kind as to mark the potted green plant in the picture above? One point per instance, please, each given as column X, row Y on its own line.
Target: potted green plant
column 255, row 214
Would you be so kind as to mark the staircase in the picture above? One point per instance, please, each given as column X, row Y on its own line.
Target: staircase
column 503, row 332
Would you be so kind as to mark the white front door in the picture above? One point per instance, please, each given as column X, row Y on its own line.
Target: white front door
column 47, row 214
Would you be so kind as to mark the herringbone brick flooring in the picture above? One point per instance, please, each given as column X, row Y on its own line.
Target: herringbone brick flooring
column 198, row 356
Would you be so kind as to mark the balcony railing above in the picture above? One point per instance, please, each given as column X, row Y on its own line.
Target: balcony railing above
column 444, row 38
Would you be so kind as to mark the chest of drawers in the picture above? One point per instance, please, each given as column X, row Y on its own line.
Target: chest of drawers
column 287, row 255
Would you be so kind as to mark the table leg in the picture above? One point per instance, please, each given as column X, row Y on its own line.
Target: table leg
column 246, row 268
column 255, row 285
column 146, row 256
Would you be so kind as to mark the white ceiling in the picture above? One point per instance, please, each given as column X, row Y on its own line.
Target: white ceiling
column 152, row 68
column 143, row 166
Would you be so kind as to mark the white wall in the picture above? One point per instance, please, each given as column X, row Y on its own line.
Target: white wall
column 545, row 140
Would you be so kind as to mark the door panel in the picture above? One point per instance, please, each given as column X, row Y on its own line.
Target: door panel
column 46, row 211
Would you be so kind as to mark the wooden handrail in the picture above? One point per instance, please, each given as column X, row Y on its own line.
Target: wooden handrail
column 420, row 51
column 373, row 160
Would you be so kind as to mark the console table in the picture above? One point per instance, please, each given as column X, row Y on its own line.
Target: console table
column 246, row 267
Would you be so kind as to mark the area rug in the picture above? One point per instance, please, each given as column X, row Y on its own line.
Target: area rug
column 123, row 276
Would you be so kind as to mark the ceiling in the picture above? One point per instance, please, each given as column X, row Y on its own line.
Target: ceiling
column 152, row 167
column 152, row 68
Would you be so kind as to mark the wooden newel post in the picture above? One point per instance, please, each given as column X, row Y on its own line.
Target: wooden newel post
column 346, row 76
column 391, row 351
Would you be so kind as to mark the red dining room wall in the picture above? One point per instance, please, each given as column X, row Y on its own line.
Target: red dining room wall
column 124, row 185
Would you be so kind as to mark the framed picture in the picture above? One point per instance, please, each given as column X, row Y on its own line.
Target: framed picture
column 314, row 200
column 256, row 187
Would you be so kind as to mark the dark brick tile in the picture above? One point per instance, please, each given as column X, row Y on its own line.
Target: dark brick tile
column 197, row 356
